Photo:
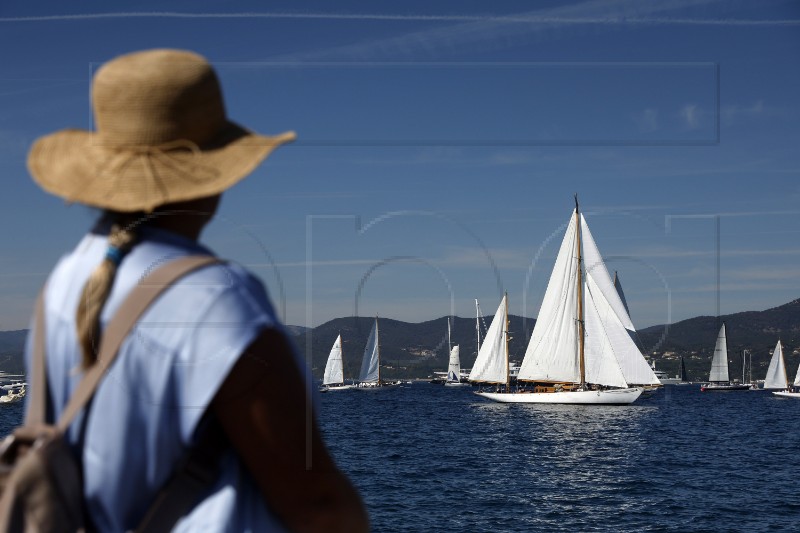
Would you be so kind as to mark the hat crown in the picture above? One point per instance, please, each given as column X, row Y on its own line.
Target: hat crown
column 155, row 97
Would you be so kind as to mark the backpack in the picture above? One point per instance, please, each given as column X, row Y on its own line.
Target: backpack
column 40, row 476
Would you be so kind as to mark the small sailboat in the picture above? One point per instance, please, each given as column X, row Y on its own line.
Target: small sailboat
column 684, row 376
column 370, row 375
column 777, row 377
column 454, row 365
column 680, row 379
column 581, row 351
column 747, row 371
column 333, row 379
column 719, row 377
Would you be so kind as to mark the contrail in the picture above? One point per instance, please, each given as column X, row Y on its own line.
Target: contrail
column 524, row 19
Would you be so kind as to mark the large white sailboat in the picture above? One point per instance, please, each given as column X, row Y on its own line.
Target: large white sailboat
column 719, row 377
column 580, row 351
column 777, row 378
column 370, row 375
column 333, row 379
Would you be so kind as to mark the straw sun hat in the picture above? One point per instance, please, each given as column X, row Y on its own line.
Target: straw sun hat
column 161, row 137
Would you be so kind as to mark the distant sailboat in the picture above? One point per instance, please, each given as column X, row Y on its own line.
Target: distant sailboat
column 333, row 379
column 370, row 375
column 454, row 366
column 777, row 377
column 684, row 375
column 580, row 351
column 719, row 377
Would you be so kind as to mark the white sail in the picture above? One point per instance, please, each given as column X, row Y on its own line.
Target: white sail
column 552, row 353
column 611, row 325
column 719, row 363
column 610, row 356
column 797, row 378
column 776, row 373
column 596, row 269
column 334, row 369
column 491, row 365
column 454, row 368
column 606, row 343
column 370, row 364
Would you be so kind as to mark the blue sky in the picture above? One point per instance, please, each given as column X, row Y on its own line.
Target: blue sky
column 440, row 146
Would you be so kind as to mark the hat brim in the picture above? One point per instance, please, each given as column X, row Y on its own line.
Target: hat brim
column 75, row 165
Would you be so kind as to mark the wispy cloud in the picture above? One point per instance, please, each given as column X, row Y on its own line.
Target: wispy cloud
column 690, row 114
column 460, row 29
column 741, row 113
column 676, row 253
column 647, row 120
column 520, row 18
column 453, row 256
column 316, row 264
column 765, row 273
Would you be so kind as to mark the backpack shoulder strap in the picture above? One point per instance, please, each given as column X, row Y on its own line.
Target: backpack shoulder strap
column 148, row 289
column 35, row 414
column 193, row 477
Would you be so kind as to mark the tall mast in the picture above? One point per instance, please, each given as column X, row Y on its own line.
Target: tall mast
column 785, row 376
column 449, row 346
column 478, row 325
column 378, row 342
column 581, row 324
column 341, row 356
column 744, row 364
column 508, row 369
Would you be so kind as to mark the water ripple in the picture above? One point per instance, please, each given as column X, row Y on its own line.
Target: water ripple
column 429, row 458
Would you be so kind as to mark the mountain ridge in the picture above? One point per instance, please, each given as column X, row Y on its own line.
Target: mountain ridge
column 415, row 350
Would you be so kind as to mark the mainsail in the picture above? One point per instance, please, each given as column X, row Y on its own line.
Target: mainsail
column 334, row 369
column 552, row 351
column 719, row 364
column 370, row 364
column 776, row 373
column 491, row 365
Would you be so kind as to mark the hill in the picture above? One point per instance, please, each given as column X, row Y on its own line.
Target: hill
column 417, row 349
column 12, row 346
column 407, row 349
column 756, row 331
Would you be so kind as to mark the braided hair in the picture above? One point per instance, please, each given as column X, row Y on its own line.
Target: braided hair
column 121, row 239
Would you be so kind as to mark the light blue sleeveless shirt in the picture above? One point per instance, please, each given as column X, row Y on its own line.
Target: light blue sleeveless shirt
column 146, row 410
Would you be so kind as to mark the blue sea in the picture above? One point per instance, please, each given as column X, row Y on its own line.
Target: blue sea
column 432, row 458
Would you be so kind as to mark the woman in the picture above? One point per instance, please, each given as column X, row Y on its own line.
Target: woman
column 210, row 349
